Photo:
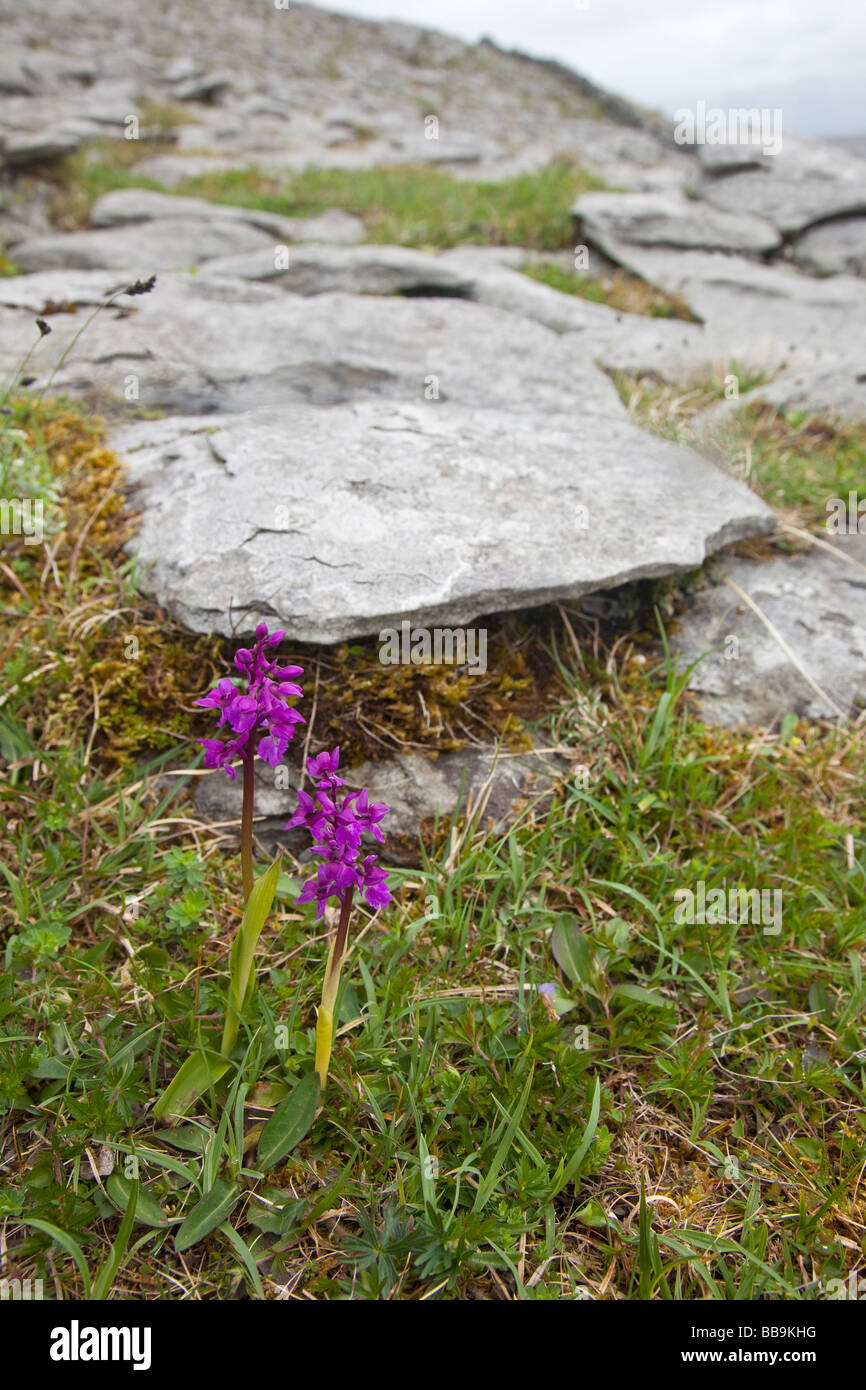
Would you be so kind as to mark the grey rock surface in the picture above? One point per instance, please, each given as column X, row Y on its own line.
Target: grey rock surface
column 807, row 182
column 434, row 512
column 299, row 87
column 143, row 248
column 658, row 219
column 380, row 270
column 834, row 248
column 215, row 343
column 767, row 317
column 128, row 206
column 37, row 147
column 723, row 159
column 817, row 602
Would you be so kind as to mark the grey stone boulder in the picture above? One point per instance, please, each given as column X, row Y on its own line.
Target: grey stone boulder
column 170, row 244
column 807, row 182
column 16, row 78
column 128, row 206
column 125, row 206
column 768, row 316
column 817, row 602
column 31, row 293
column 21, row 150
column 834, row 248
column 214, row 343
column 432, row 512
column 210, row 87
column 463, row 273
column 724, row 159
column 361, row 269
column 660, row 219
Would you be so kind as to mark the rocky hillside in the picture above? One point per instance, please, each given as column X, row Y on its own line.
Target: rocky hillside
column 449, row 392
column 296, row 87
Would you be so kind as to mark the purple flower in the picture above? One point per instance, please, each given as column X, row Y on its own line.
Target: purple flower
column 368, row 816
column 336, row 826
column 262, row 709
column 372, row 880
column 323, row 770
column 308, row 814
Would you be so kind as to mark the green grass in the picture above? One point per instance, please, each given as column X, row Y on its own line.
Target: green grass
column 406, row 205
column 417, row 206
column 796, row 461
column 620, row 290
column 476, row 1140
column 164, row 116
column 76, row 182
column 414, row 205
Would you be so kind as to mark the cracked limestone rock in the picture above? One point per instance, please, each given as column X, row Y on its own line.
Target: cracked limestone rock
column 340, row 522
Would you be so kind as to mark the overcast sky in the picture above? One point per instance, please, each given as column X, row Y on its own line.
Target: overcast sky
column 806, row 56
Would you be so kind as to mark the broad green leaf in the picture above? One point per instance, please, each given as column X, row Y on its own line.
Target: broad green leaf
column 572, row 950
column 199, row 1072
column 290, row 1122
column 50, row 1069
column 191, row 1138
column 643, row 996
column 241, row 975
column 148, row 1212
column 787, row 728
column 428, row 1186
column 207, row 1214
column 267, row 1093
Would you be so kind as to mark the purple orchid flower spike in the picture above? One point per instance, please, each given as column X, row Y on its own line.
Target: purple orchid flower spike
column 337, row 825
column 261, row 715
column 261, row 719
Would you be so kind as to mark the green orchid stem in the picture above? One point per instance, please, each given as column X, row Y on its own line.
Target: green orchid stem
column 249, row 759
column 325, row 1022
